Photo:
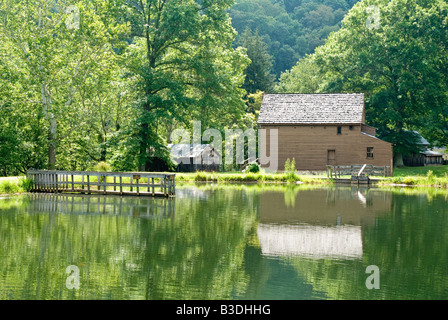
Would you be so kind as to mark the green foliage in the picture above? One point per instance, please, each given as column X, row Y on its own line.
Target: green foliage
column 290, row 171
column 291, row 29
column 253, row 167
column 290, row 165
column 9, row 187
column 54, row 70
column 259, row 177
column 304, row 77
column 108, row 90
column 419, row 176
column 258, row 76
column 102, row 167
column 184, row 67
column 26, row 183
column 200, row 176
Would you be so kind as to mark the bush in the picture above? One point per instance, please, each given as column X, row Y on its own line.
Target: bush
column 26, row 183
column 102, row 167
column 431, row 177
column 290, row 171
column 290, row 165
column 9, row 187
column 200, row 176
column 253, row 168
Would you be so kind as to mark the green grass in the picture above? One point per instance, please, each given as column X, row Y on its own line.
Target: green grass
column 436, row 176
column 247, row 177
column 438, row 171
column 10, row 187
column 15, row 185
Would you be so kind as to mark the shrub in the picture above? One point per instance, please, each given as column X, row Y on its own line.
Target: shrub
column 200, row 176
column 430, row 177
column 9, row 187
column 290, row 171
column 26, row 183
column 102, row 167
column 409, row 181
column 253, row 168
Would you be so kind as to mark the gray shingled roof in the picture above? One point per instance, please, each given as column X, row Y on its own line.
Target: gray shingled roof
column 312, row 108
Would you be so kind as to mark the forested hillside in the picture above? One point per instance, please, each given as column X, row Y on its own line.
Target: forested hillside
column 290, row 28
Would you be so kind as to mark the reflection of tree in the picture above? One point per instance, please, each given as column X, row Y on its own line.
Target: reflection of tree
column 209, row 249
column 197, row 254
column 203, row 249
column 290, row 195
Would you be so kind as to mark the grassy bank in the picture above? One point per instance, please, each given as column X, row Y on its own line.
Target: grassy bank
column 407, row 176
column 249, row 177
column 14, row 185
column 418, row 176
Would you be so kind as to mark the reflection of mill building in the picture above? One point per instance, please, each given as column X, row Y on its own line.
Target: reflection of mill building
column 320, row 223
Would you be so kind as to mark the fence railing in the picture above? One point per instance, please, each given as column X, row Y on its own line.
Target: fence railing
column 89, row 182
column 336, row 172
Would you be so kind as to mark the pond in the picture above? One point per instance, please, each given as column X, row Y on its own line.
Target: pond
column 263, row 242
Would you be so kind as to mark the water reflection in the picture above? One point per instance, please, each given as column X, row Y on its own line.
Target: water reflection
column 144, row 207
column 318, row 224
column 227, row 242
column 343, row 242
column 329, row 206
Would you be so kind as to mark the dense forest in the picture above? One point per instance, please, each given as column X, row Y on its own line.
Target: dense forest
column 104, row 82
column 289, row 28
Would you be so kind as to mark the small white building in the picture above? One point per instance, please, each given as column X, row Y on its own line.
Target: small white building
column 195, row 157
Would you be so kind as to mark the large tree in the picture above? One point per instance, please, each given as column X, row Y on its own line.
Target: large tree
column 185, row 63
column 259, row 74
column 57, row 46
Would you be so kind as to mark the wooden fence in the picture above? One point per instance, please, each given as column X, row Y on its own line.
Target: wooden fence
column 89, row 182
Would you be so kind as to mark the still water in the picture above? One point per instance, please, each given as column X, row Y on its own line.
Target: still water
column 227, row 242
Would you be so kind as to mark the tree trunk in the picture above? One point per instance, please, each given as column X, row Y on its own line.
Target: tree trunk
column 52, row 136
column 398, row 160
column 51, row 153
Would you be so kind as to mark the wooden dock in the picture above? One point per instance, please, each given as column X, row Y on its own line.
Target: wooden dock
column 113, row 183
column 356, row 174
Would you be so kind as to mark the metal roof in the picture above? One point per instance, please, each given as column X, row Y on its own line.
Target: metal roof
column 188, row 150
column 344, row 108
column 432, row 153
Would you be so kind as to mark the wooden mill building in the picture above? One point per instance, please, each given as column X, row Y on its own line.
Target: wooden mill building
column 322, row 129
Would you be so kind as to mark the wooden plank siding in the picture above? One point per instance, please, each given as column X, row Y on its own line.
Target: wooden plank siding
column 309, row 145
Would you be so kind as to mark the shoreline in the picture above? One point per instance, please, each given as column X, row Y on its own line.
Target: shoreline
column 10, row 186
